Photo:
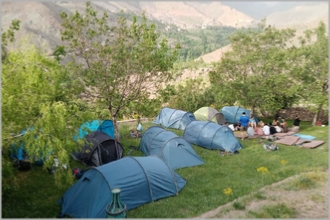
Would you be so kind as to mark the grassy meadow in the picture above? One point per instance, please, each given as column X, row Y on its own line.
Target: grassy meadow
column 220, row 180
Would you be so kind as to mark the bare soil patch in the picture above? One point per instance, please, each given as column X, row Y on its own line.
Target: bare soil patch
column 306, row 194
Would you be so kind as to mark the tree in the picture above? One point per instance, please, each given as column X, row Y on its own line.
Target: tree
column 256, row 73
column 119, row 64
column 313, row 71
column 188, row 96
column 39, row 96
column 8, row 36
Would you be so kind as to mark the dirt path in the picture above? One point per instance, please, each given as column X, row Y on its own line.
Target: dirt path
column 302, row 196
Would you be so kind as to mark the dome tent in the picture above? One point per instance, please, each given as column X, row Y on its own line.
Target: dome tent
column 141, row 180
column 212, row 136
column 172, row 118
column 99, row 148
column 174, row 150
column 233, row 113
column 105, row 126
column 209, row 114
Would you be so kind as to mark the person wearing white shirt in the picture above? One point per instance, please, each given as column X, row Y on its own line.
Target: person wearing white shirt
column 278, row 128
column 266, row 129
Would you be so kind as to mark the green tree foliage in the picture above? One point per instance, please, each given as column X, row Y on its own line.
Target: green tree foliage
column 188, row 96
column 313, row 69
column 119, row 64
column 8, row 36
column 256, row 73
column 37, row 96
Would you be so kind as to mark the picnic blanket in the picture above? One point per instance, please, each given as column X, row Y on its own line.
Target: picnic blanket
column 312, row 144
column 290, row 138
column 305, row 137
column 287, row 140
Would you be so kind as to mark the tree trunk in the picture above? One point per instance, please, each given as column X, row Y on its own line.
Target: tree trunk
column 317, row 114
column 315, row 119
column 117, row 137
column 115, row 124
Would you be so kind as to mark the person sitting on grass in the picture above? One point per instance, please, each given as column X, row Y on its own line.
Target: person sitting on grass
column 259, row 130
column 284, row 126
column 250, row 130
column 272, row 129
column 253, row 121
column 278, row 128
column 261, row 124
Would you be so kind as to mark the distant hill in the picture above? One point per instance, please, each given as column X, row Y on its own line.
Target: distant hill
column 259, row 9
column 41, row 20
column 302, row 17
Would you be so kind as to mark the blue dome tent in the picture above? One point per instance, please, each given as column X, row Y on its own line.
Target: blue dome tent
column 233, row 113
column 105, row 126
column 141, row 180
column 174, row 150
column 172, row 118
column 211, row 135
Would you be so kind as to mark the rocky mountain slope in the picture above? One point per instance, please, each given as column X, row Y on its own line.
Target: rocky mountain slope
column 40, row 21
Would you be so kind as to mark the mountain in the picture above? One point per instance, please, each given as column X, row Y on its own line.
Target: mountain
column 41, row 20
column 261, row 9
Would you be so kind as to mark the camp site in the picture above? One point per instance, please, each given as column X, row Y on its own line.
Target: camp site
column 113, row 114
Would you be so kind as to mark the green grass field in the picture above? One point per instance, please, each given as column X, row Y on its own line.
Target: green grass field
column 37, row 195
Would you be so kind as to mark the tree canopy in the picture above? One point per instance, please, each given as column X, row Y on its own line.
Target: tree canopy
column 256, row 72
column 38, row 96
column 313, row 72
column 117, row 65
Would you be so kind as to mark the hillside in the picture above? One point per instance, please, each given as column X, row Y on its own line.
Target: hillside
column 300, row 18
column 41, row 20
column 181, row 21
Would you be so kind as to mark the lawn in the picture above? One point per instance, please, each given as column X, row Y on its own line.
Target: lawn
column 37, row 195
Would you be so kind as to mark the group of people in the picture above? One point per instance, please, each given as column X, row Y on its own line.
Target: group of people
column 249, row 127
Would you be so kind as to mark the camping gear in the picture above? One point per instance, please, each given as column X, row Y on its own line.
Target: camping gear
column 141, row 180
column 172, row 118
column 105, row 126
column 312, row 144
column 233, row 113
column 211, row 136
column 174, row 150
column 288, row 140
column 305, row 136
column 99, row 148
column 209, row 114
column 270, row 146
column 116, row 209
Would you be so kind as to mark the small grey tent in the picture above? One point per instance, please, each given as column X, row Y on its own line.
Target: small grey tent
column 173, row 118
column 141, row 180
column 210, row 135
column 209, row 114
column 99, row 148
column 174, row 150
